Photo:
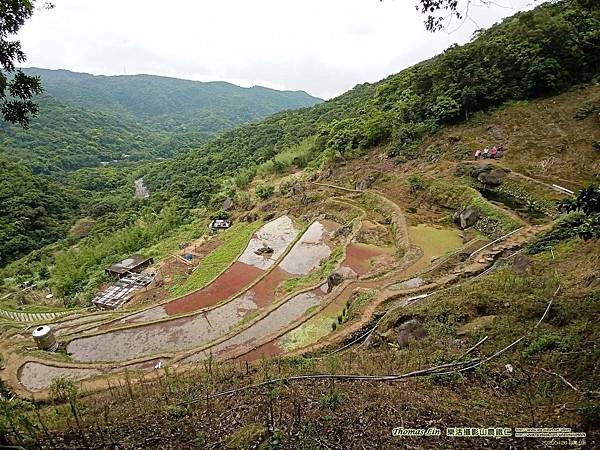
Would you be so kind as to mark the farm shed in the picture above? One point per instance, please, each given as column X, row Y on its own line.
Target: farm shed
column 122, row 290
column 135, row 263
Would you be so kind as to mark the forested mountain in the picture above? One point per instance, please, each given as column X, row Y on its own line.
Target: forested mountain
column 532, row 54
column 35, row 210
column 86, row 120
column 170, row 104
column 66, row 137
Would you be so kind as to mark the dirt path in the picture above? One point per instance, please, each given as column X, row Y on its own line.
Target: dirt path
column 498, row 163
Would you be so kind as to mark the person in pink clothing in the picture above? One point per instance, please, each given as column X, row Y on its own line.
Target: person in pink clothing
column 494, row 152
column 477, row 153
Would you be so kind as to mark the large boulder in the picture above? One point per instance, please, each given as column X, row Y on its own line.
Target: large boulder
column 467, row 217
column 338, row 277
column 264, row 250
column 366, row 183
column 344, row 230
column 521, row 263
column 227, row 204
column 494, row 177
column 250, row 217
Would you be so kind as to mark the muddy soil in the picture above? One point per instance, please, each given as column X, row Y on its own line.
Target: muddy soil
column 36, row 377
column 358, row 257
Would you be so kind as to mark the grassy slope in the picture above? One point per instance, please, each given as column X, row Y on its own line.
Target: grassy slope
column 234, row 241
column 550, row 139
column 317, row 414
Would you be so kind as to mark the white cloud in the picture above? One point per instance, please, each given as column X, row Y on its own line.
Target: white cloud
column 324, row 47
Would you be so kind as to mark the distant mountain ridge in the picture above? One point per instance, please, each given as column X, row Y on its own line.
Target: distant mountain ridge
column 171, row 104
column 86, row 120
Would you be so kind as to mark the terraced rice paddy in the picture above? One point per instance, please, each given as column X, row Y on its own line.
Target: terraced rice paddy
column 34, row 376
column 197, row 330
column 243, row 311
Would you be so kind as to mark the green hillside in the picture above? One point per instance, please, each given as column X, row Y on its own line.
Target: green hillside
column 66, row 137
column 532, row 54
column 381, row 285
column 171, row 104
column 86, row 120
column 35, row 210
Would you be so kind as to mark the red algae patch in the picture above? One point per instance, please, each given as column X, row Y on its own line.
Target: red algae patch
column 264, row 291
column 358, row 255
column 233, row 280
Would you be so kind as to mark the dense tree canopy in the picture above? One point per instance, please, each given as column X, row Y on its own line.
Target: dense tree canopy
column 531, row 54
column 35, row 210
column 16, row 88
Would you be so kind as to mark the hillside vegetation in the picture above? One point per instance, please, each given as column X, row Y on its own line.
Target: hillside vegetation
column 532, row 54
column 406, row 317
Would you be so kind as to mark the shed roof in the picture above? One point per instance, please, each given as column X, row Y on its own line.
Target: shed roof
column 128, row 264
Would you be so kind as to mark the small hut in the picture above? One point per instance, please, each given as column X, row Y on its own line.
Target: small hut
column 133, row 264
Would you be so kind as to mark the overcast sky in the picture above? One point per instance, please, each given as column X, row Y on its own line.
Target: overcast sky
column 324, row 47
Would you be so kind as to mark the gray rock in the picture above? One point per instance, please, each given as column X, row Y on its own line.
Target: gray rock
column 480, row 168
column 594, row 283
column 337, row 277
column 467, row 217
column 366, row 183
column 521, row 264
column 333, row 280
column 270, row 206
column 325, row 174
column 411, row 329
column 264, row 250
column 227, row 204
column 372, row 340
column 250, row 217
column 412, row 283
column 343, row 230
column 494, row 177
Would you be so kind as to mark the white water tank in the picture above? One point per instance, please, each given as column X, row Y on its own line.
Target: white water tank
column 44, row 338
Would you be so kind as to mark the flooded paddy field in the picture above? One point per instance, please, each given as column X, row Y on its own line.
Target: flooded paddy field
column 433, row 243
column 257, row 333
column 169, row 336
column 358, row 256
column 193, row 331
column 277, row 234
column 36, row 376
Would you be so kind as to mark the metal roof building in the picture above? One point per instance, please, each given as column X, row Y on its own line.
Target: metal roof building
column 135, row 263
column 121, row 291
